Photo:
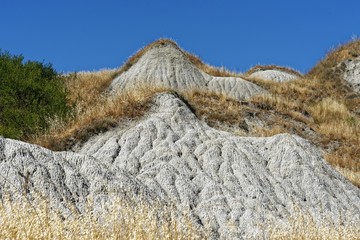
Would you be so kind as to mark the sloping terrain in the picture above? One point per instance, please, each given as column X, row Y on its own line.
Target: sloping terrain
column 230, row 184
column 166, row 65
column 167, row 129
column 221, row 178
column 66, row 179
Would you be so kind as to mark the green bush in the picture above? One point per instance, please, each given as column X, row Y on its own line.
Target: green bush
column 30, row 93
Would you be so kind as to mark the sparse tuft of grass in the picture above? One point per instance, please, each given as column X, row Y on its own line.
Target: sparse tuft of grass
column 214, row 107
column 303, row 226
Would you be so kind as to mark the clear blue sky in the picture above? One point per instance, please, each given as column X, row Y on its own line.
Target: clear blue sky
column 89, row 35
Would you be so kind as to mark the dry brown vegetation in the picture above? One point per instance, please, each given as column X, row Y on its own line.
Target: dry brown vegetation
column 328, row 67
column 126, row 220
column 304, row 226
column 23, row 220
column 100, row 114
column 214, row 107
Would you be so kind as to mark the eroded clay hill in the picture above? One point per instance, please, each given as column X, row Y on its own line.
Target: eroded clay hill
column 166, row 65
column 273, row 73
column 229, row 184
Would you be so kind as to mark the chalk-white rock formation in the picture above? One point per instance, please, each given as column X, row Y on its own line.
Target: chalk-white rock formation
column 274, row 75
column 66, row 179
column 165, row 64
column 352, row 73
column 228, row 183
column 234, row 87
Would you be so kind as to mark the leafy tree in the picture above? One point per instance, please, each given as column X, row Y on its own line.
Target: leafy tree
column 30, row 93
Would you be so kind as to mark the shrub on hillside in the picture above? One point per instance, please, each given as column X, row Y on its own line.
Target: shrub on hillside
column 30, row 93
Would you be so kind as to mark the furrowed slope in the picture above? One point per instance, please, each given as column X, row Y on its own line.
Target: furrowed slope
column 229, row 184
column 223, row 179
column 164, row 64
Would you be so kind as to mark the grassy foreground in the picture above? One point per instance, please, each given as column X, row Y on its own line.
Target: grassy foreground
column 24, row 220
column 141, row 221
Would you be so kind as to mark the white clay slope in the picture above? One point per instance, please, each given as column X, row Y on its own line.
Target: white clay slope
column 166, row 65
column 274, row 75
column 352, row 73
column 230, row 183
column 66, row 179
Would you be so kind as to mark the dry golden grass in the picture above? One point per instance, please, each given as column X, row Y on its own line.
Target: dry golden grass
column 86, row 87
column 125, row 220
column 269, row 131
column 101, row 114
column 334, row 119
column 346, row 156
column 352, row 176
column 213, row 71
column 21, row 220
column 325, row 68
column 213, row 107
column 282, row 105
column 304, row 226
column 105, row 112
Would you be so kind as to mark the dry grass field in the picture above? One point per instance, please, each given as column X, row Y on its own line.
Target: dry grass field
column 124, row 220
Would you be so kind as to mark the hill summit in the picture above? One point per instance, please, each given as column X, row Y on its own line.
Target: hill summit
column 164, row 64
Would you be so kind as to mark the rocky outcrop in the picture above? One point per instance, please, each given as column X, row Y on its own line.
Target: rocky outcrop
column 228, row 183
column 352, row 73
column 166, row 65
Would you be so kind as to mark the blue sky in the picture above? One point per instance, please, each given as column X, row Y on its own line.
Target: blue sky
column 89, row 35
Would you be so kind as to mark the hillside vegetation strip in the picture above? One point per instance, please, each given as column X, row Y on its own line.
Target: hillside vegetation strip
column 31, row 93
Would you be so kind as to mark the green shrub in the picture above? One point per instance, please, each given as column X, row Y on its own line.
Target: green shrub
column 30, row 93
